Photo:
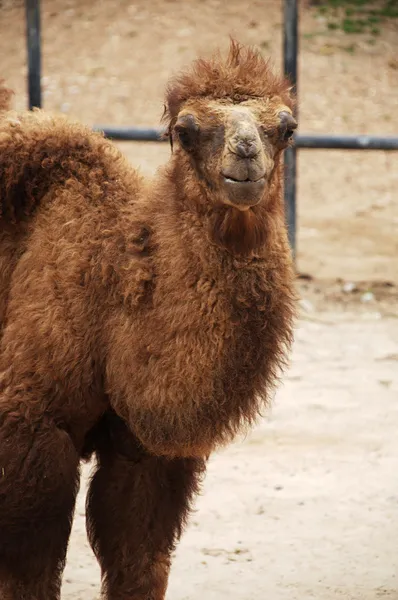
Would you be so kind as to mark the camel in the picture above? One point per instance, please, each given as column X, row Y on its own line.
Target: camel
column 142, row 323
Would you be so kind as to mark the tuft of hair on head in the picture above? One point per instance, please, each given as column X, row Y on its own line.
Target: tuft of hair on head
column 242, row 75
column 5, row 96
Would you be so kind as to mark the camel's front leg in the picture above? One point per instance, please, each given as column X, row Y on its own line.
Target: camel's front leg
column 136, row 508
column 39, row 471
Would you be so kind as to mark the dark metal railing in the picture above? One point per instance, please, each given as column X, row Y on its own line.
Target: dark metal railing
column 132, row 134
column 319, row 142
column 347, row 142
column 290, row 51
column 290, row 67
column 34, row 52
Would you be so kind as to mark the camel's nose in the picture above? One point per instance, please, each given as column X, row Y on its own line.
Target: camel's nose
column 246, row 148
column 243, row 137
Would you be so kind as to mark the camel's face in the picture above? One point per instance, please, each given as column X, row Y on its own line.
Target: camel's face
column 233, row 147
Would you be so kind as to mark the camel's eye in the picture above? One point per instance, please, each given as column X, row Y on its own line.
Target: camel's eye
column 187, row 131
column 287, row 126
column 288, row 134
column 184, row 137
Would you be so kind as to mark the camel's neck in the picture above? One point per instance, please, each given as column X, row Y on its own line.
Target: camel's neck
column 215, row 234
column 208, row 329
column 201, row 252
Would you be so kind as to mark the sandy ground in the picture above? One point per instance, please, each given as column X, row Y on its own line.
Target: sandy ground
column 307, row 505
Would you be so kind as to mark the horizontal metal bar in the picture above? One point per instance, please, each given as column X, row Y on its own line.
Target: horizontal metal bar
column 133, row 134
column 327, row 142
column 346, row 142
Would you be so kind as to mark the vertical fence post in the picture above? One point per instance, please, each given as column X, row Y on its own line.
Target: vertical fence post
column 32, row 8
column 290, row 52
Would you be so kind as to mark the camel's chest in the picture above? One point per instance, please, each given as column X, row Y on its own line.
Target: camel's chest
column 236, row 307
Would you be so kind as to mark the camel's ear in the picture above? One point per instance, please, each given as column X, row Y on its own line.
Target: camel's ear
column 167, row 134
column 186, row 130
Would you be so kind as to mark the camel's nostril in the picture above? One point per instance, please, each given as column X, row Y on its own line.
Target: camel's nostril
column 246, row 149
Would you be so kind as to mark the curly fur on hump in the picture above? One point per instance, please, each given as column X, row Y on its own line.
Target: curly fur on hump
column 241, row 75
column 136, row 322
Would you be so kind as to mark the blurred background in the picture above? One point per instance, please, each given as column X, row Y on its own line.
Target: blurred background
column 307, row 506
column 107, row 62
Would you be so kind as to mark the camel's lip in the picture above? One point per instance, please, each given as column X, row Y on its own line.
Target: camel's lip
column 248, row 181
column 243, row 194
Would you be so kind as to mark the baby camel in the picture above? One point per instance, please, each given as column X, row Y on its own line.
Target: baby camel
column 145, row 323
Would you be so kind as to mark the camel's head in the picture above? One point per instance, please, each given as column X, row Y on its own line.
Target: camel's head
column 231, row 119
column 233, row 146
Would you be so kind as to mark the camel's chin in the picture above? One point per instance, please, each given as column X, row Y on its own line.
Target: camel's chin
column 243, row 195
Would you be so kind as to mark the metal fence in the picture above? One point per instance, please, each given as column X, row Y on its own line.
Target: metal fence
column 290, row 47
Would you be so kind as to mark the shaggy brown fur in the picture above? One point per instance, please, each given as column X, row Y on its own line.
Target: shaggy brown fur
column 242, row 76
column 147, row 323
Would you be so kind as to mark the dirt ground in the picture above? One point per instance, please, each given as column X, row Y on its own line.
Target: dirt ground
column 307, row 505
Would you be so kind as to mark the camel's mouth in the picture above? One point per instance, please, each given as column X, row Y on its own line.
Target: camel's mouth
column 243, row 193
column 230, row 179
